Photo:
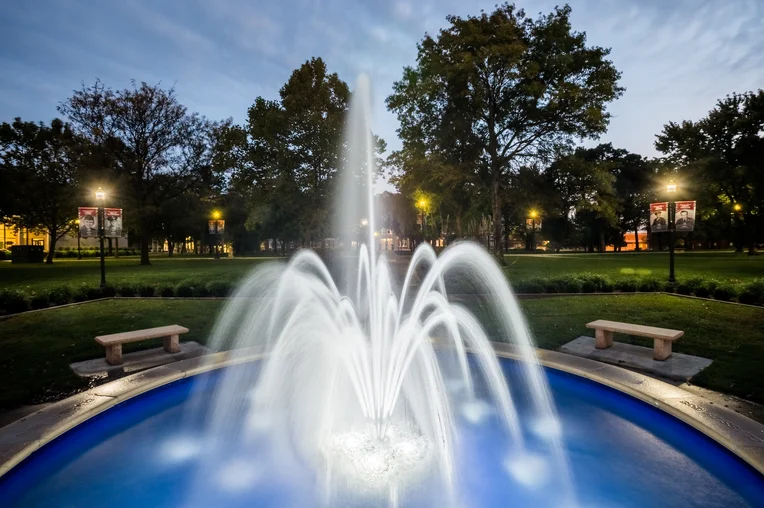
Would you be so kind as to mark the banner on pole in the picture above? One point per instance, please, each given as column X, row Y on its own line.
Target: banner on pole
column 533, row 223
column 659, row 217
column 88, row 217
column 216, row 227
column 685, row 215
column 112, row 222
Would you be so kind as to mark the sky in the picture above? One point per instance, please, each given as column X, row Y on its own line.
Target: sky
column 677, row 57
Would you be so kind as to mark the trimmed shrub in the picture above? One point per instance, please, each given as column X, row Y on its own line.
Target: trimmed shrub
column 626, row 285
column 166, row 291
column 551, row 286
column 533, row 286
column 40, row 302
column 218, row 288
column 689, row 286
column 146, row 290
column 568, row 284
column 184, row 290
column 80, row 294
column 108, row 291
column 60, row 295
column 200, row 290
column 588, row 286
column 724, row 291
column 127, row 290
column 12, row 301
column 648, row 285
column 706, row 289
column 752, row 293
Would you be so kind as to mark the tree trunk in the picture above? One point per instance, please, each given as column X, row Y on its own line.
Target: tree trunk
column 111, row 252
column 51, row 247
column 636, row 240
column 750, row 222
column 496, row 211
column 458, row 225
column 145, row 241
column 170, row 248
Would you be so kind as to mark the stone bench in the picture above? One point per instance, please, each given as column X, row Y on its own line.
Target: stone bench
column 663, row 337
column 113, row 343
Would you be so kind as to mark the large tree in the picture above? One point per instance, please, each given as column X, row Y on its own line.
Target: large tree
column 287, row 156
column 154, row 147
column 42, row 167
column 520, row 86
column 724, row 151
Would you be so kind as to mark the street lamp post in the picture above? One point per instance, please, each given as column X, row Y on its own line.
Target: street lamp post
column 79, row 235
column 533, row 215
column 216, row 216
column 422, row 204
column 101, row 197
column 671, row 189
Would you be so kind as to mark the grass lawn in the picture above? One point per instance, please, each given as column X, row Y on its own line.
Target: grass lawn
column 716, row 265
column 36, row 348
column 164, row 270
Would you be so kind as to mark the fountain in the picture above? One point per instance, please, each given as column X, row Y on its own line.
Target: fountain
column 366, row 394
column 353, row 384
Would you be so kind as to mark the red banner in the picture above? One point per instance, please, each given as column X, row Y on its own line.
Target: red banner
column 88, row 219
column 659, row 217
column 112, row 222
column 685, row 215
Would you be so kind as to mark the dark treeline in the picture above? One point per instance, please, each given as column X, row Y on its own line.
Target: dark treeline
column 490, row 117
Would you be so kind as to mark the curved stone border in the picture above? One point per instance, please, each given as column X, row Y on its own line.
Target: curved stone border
column 741, row 435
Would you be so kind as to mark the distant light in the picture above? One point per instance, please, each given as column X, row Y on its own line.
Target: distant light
column 534, row 214
column 422, row 203
column 364, row 222
column 671, row 187
column 216, row 214
column 376, row 233
column 100, row 194
column 737, row 207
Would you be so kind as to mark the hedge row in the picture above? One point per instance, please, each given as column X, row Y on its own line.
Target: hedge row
column 67, row 252
column 752, row 293
column 12, row 301
column 90, row 252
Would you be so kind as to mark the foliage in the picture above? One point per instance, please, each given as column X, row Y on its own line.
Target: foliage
column 753, row 293
column 218, row 288
column 40, row 171
column 723, row 152
column 150, row 143
column 506, row 87
column 12, row 301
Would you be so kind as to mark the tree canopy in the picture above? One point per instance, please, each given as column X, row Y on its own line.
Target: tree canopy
column 510, row 88
column 725, row 152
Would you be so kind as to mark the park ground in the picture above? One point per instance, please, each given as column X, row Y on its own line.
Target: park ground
column 36, row 348
column 723, row 266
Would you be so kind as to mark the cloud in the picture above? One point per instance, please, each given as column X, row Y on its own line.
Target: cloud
column 403, row 10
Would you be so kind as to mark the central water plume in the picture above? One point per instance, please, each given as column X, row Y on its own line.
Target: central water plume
column 364, row 386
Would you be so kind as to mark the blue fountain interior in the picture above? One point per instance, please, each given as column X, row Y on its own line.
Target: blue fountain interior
column 622, row 452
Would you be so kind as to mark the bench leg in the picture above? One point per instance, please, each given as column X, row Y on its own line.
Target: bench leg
column 114, row 354
column 603, row 339
column 171, row 344
column 662, row 349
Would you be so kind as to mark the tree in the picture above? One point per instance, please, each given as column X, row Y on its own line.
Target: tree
column 154, row 147
column 521, row 86
column 725, row 151
column 585, row 195
column 41, row 164
column 287, row 157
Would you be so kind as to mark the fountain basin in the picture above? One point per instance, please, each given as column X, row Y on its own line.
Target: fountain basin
column 631, row 441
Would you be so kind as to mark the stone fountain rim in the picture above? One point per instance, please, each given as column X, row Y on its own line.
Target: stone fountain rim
column 740, row 435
